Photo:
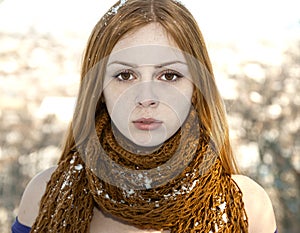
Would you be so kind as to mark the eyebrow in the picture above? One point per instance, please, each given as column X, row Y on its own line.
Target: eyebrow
column 156, row 66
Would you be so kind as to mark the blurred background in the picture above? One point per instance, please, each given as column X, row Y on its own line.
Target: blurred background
column 255, row 50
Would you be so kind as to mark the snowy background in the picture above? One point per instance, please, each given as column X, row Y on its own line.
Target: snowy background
column 255, row 50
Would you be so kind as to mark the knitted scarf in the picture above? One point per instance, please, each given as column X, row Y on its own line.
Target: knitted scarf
column 179, row 186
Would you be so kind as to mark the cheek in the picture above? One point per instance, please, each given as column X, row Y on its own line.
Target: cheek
column 182, row 103
column 109, row 98
column 119, row 103
column 180, row 108
column 188, row 90
column 178, row 99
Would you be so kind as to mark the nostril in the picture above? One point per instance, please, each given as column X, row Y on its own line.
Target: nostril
column 148, row 103
column 154, row 103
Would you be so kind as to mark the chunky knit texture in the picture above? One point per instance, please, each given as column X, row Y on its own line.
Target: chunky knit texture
column 180, row 186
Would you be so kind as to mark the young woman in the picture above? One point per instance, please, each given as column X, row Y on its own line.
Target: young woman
column 148, row 149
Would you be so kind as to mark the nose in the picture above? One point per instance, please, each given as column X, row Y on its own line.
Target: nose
column 146, row 96
column 148, row 103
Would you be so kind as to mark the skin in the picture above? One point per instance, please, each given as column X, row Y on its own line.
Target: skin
column 147, row 78
column 257, row 203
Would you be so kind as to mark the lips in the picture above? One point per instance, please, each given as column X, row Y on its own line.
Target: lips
column 147, row 123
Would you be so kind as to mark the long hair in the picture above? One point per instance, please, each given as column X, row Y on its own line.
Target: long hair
column 193, row 200
column 181, row 26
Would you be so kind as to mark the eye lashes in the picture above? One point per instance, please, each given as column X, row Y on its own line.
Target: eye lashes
column 123, row 72
column 165, row 72
column 173, row 72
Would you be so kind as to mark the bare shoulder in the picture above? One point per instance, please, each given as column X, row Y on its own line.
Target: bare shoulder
column 258, row 205
column 29, row 205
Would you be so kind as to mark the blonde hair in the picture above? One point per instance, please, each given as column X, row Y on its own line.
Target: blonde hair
column 188, row 202
column 181, row 26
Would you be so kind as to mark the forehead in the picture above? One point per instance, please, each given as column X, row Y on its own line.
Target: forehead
column 151, row 34
column 147, row 45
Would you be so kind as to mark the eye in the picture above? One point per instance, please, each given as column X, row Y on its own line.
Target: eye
column 125, row 75
column 170, row 75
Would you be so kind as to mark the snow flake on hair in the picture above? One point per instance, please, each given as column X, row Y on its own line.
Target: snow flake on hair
column 114, row 10
column 178, row 2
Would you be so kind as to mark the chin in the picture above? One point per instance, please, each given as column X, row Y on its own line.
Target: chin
column 151, row 138
column 147, row 142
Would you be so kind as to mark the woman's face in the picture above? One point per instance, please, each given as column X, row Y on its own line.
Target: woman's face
column 147, row 86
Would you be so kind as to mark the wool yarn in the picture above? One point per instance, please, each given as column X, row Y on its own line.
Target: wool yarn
column 179, row 186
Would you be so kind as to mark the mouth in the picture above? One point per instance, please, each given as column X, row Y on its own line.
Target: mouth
column 147, row 123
